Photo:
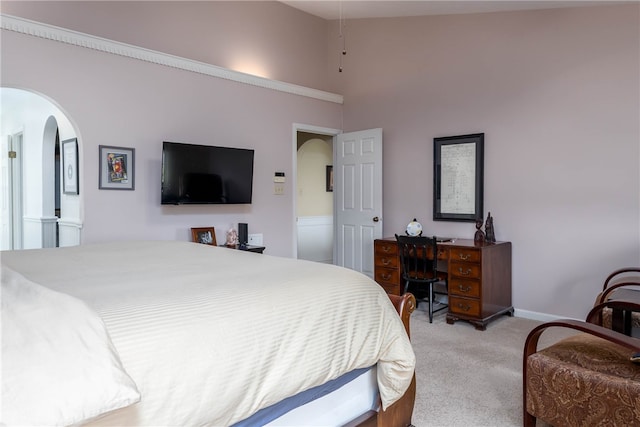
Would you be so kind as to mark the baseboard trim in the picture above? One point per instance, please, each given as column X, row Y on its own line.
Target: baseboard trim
column 542, row 317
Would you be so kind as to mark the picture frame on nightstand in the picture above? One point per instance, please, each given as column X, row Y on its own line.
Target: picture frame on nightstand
column 204, row 235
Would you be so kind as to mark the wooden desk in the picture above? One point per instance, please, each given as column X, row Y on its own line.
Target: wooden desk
column 479, row 277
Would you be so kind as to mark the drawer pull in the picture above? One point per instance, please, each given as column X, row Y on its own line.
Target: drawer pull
column 464, row 307
column 464, row 273
column 464, row 257
column 441, row 253
column 386, row 248
column 386, row 261
column 386, row 276
column 464, row 289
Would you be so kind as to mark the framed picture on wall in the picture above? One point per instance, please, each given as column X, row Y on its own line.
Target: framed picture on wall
column 70, row 166
column 458, row 178
column 329, row 178
column 116, row 168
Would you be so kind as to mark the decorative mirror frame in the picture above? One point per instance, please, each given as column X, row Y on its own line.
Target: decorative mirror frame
column 458, row 178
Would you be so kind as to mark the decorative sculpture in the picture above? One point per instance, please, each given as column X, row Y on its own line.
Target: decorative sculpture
column 479, row 236
column 232, row 237
column 489, row 231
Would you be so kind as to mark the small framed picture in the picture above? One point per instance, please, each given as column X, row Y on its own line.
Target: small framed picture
column 204, row 235
column 117, row 168
column 70, row 166
column 329, row 178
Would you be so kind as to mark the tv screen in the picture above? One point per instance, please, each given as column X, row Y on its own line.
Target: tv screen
column 203, row 174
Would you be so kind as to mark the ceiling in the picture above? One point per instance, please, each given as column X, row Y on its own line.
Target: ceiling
column 355, row 9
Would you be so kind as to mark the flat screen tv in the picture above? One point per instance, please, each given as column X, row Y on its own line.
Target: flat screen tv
column 204, row 174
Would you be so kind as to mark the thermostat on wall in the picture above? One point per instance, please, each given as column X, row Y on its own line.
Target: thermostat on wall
column 278, row 177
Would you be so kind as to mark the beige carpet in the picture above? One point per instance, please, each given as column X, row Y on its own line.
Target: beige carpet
column 467, row 377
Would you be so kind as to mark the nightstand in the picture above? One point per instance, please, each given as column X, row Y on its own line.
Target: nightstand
column 248, row 248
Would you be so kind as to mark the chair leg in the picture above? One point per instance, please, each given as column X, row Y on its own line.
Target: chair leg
column 529, row 420
column 430, row 302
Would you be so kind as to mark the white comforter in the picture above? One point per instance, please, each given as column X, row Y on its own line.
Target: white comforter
column 211, row 335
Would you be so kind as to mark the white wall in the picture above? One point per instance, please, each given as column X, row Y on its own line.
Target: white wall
column 115, row 100
column 556, row 93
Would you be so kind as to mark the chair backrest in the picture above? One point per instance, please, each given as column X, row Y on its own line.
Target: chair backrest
column 418, row 257
column 626, row 274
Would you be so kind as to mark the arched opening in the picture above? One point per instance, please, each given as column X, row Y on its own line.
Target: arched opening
column 39, row 214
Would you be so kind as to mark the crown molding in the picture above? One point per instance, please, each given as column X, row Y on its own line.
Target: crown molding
column 63, row 35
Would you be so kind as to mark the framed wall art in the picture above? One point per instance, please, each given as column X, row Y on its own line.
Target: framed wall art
column 458, row 178
column 329, row 178
column 117, row 168
column 70, row 166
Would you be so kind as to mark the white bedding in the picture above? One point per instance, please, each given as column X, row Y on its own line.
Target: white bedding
column 210, row 335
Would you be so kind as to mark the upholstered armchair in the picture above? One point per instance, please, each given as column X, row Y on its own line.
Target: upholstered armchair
column 587, row 379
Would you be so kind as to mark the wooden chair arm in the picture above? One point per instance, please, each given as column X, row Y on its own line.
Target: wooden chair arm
column 595, row 314
column 531, row 343
column 617, row 272
column 604, row 294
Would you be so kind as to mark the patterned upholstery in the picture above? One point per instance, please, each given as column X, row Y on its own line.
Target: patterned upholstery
column 607, row 312
column 588, row 379
column 583, row 381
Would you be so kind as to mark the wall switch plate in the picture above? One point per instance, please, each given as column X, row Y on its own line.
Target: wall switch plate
column 278, row 189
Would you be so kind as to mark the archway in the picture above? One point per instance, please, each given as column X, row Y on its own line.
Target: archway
column 41, row 124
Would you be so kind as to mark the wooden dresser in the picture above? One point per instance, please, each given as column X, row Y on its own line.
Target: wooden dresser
column 479, row 277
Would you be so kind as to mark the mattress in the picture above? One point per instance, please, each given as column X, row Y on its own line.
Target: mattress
column 209, row 335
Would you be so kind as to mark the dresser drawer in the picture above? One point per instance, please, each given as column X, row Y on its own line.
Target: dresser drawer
column 387, row 261
column 464, row 270
column 464, row 287
column 464, row 306
column 464, row 254
column 387, row 276
column 385, row 247
column 391, row 288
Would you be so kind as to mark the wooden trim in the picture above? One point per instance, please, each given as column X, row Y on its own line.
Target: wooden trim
column 63, row 35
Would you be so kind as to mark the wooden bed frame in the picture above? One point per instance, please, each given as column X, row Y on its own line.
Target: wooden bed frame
column 399, row 414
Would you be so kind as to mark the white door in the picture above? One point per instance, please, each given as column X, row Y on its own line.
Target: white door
column 358, row 198
column 11, row 184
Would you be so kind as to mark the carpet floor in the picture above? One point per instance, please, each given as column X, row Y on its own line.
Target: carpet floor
column 467, row 377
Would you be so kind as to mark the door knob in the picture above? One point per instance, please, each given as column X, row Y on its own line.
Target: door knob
column 376, row 219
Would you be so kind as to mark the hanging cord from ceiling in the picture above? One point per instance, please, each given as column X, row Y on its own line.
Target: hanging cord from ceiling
column 342, row 38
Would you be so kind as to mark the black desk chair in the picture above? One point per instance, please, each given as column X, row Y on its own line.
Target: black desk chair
column 418, row 259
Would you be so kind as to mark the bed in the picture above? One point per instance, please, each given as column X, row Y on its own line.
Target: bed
column 179, row 333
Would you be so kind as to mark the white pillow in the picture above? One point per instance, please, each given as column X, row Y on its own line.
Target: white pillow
column 59, row 366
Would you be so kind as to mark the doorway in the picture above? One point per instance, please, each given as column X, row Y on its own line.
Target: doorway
column 314, row 211
column 314, row 236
